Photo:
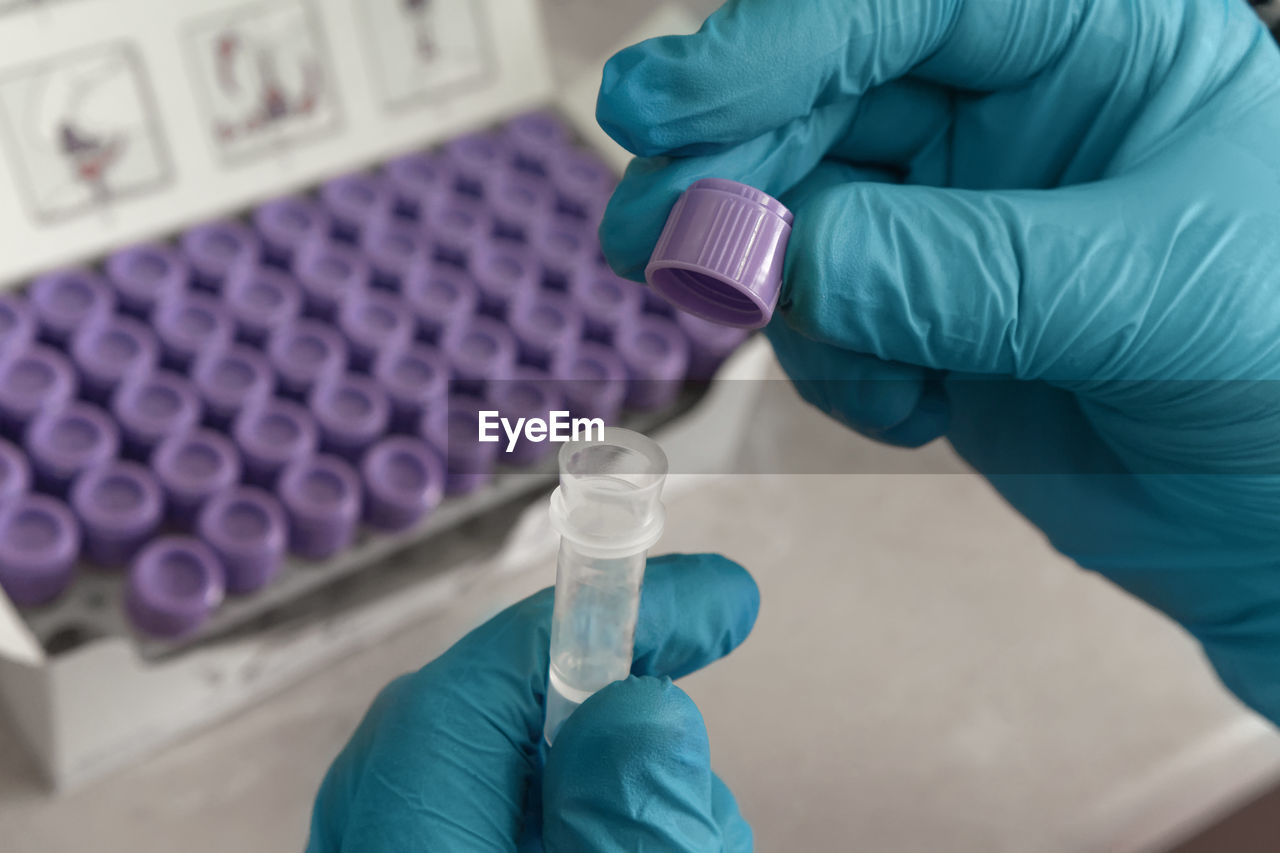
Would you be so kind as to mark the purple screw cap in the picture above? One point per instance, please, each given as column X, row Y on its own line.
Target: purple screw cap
column 39, row 540
column 547, row 327
column 152, row 408
column 353, row 412
column 145, row 274
column 534, row 138
column 119, row 505
column 321, row 497
column 246, row 528
column 519, row 201
column 721, row 254
column 273, row 435
column 474, row 160
column 415, row 378
column 393, row 247
column 608, row 301
column 64, row 442
column 174, row 585
column 441, row 297
column 709, row 344
column 287, row 224
column 595, row 385
column 65, row 300
column 328, row 272
column 374, row 323
column 530, row 394
column 38, row 379
column 416, row 179
column 356, row 200
column 458, row 227
column 188, row 325
column 231, row 380
column 303, row 353
column 583, row 183
column 403, row 482
column 15, row 473
column 469, row 462
column 503, row 275
column 112, row 352
column 193, row 467
column 481, row 351
column 564, row 246
column 261, row 299
column 17, row 325
column 657, row 356
column 215, row 250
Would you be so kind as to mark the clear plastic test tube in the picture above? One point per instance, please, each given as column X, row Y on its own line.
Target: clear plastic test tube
column 608, row 511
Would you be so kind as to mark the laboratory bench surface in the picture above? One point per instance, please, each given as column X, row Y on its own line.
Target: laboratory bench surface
column 926, row 673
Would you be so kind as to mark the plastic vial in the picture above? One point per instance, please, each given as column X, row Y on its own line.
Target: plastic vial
column 608, row 511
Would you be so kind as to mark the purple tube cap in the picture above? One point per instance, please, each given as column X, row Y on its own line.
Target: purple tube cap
column 39, row 541
column 190, row 324
column 146, row 273
column 322, row 498
column 17, row 325
column 274, row 434
column 246, row 528
column 173, row 587
column 413, row 376
column 358, row 198
column 305, row 352
column 115, row 350
column 329, row 271
column 353, row 411
column 287, row 223
column 481, row 349
column 34, row 380
column 233, row 379
column 441, row 296
column 216, row 249
column 403, row 482
column 375, row 323
column 261, row 299
column 156, row 406
column 195, row 465
column 654, row 349
column 416, row 178
column 595, row 384
column 15, row 472
column 721, row 254
column 119, row 504
column 66, row 441
column 66, row 299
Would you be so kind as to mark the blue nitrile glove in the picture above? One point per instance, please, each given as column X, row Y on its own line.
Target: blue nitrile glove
column 1047, row 230
column 449, row 757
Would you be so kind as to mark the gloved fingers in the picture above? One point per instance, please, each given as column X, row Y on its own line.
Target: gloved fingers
column 890, row 126
column 759, row 64
column 883, row 400
column 631, row 770
column 734, row 829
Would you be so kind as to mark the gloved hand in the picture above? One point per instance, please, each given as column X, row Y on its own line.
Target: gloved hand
column 449, row 757
column 1049, row 231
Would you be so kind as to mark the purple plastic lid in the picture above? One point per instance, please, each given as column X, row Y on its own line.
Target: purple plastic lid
column 403, row 482
column 468, row 461
column 145, row 274
column 374, row 322
column 304, row 352
column 65, row 300
column 328, row 272
column 457, row 227
column 15, row 472
column 595, row 385
column 547, row 327
column 519, row 202
column 656, row 353
column 416, row 179
column 393, row 246
column 534, row 138
column 286, row 224
column 353, row 412
column 35, row 380
column 261, row 299
column 322, row 499
column 356, row 200
column 111, row 352
column 246, row 528
column 273, row 435
column 173, row 587
column 66, row 441
column 194, row 466
column 39, row 541
column 119, row 505
column 17, row 325
column 217, row 249
column 231, row 380
column 414, row 378
column 608, row 301
column 709, row 344
column 529, row 394
column 503, row 274
column 583, row 183
column 721, row 254
column 480, row 350
column 475, row 159
column 189, row 325
column 153, row 408
column 442, row 297
column 564, row 246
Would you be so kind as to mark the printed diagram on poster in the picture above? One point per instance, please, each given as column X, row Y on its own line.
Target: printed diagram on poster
column 81, row 131
column 264, row 77
column 420, row 49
